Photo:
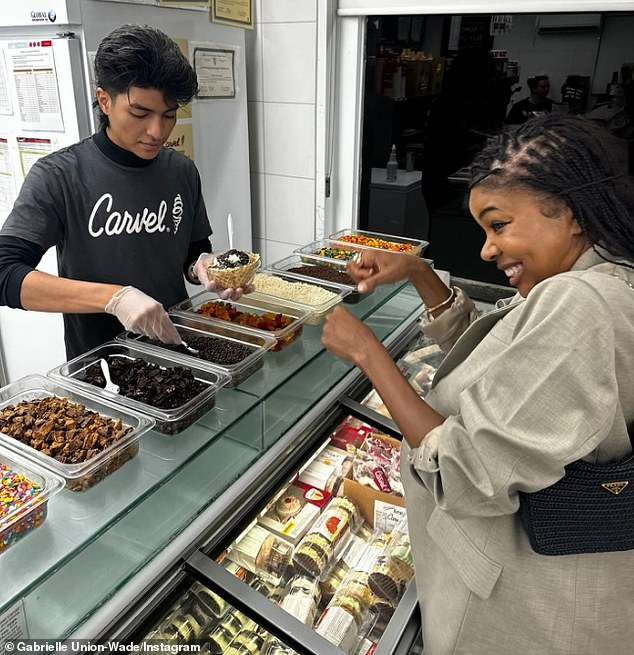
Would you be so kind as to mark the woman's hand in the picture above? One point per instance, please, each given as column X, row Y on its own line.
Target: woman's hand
column 347, row 337
column 370, row 268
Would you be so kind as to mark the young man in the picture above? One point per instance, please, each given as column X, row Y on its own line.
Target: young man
column 127, row 216
column 534, row 105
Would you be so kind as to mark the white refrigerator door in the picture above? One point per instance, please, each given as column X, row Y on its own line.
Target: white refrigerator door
column 43, row 107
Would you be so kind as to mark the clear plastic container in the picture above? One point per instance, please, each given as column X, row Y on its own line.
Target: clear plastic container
column 81, row 475
column 294, row 261
column 318, row 311
column 329, row 252
column 168, row 421
column 390, row 243
column 19, row 521
column 191, row 329
column 261, row 552
column 253, row 303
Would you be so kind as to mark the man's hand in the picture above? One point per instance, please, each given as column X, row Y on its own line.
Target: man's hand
column 142, row 314
column 229, row 293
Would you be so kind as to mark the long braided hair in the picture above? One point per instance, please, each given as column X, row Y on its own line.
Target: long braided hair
column 568, row 159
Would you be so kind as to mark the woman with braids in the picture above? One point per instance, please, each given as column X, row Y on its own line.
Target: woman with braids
column 544, row 379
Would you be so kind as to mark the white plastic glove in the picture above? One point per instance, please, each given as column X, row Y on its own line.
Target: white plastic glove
column 142, row 314
column 200, row 270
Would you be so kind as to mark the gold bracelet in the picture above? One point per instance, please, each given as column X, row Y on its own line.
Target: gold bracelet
column 444, row 303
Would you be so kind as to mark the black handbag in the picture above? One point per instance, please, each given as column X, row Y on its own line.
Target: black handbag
column 590, row 510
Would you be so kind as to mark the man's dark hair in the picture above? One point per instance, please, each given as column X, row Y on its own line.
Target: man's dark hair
column 568, row 160
column 535, row 80
column 142, row 56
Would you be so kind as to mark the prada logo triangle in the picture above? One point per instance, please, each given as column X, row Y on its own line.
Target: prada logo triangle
column 615, row 487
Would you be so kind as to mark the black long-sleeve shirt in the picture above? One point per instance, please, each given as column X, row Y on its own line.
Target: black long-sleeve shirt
column 19, row 256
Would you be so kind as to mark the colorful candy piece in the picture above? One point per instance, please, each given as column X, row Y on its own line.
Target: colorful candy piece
column 375, row 242
column 19, row 494
column 335, row 253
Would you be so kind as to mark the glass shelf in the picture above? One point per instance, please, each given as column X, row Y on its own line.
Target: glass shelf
column 94, row 542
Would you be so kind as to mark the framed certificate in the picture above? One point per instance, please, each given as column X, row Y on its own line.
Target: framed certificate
column 237, row 13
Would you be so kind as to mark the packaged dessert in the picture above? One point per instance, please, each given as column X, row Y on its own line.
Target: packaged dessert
column 86, row 438
column 302, row 598
column 345, row 622
column 152, row 383
column 177, row 627
column 350, row 434
column 25, row 491
column 218, row 639
column 290, row 514
column 262, row 553
column 377, row 464
column 399, row 550
column 273, row 646
column 386, row 579
column 337, row 457
column 327, row 538
column 313, row 495
column 253, row 313
column 209, row 603
column 374, row 402
column 321, row 476
column 348, row 618
column 233, row 268
column 246, row 642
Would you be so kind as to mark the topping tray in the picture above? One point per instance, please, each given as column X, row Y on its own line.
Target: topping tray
column 238, row 354
column 25, row 489
column 315, row 296
column 378, row 241
column 175, row 394
column 253, row 314
column 82, row 462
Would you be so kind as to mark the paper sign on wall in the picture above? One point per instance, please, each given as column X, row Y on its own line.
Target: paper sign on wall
column 31, row 149
column 7, row 181
column 35, row 76
column 215, row 70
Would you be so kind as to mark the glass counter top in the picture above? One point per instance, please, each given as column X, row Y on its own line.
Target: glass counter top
column 94, row 542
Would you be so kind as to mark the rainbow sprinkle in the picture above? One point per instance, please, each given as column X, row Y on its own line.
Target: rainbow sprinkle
column 18, row 498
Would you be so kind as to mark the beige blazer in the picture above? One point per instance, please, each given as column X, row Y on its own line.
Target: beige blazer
column 528, row 388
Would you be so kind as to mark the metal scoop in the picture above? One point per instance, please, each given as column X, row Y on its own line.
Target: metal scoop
column 193, row 351
column 110, row 385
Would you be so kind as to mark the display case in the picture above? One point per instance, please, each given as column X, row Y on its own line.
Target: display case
column 107, row 560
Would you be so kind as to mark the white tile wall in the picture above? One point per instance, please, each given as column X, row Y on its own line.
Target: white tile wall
column 289, row 139
column 290, row 209
column 288, row 67
column 287, row 11
column 281, row 75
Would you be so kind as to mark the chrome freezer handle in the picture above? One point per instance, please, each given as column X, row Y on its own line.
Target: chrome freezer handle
column 259, row 608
